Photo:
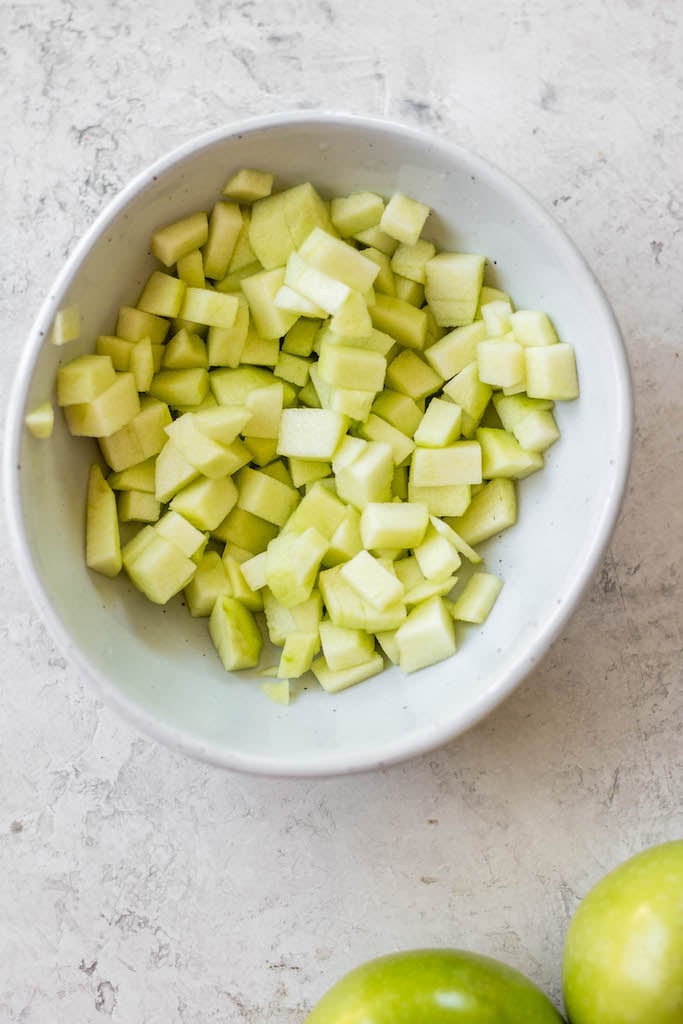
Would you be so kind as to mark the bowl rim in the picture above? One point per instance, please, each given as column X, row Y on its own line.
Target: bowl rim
column 427, row 738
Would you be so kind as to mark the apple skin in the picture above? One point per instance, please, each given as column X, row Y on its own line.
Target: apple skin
column 623, row 954
column 434, row 986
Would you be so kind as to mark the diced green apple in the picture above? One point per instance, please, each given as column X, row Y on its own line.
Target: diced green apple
column 333, row 682
column 310, row 433
column 427, row 636
column 102, row 543
column 40, row 420
column 478, row 598
column 404, row 218
column 176, row 240
column 356, row 212
column 235, row 634
column 248, row 185
column 453, row 283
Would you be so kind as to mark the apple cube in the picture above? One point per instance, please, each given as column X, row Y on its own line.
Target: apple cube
column 246, row 531
column 399, row 319
column 297, row 654
column 265, row 406
column 471, row 394
column 205, row 503
column 375, row 238
column 440, row 425
column 491, row 511
column 458, row 463
column 266, row 497
column 352, row 320
column 393, row 524
column 171, row 243
column 427, row 636
column 66, row 326
column 172, row 472
column 190, row 269
column 456, row 350
column 372, row 581
column 159, row 569
column 138, row 506
column 310, row 433
column 356, row 212
column 345, row 648
column 235, row 635
column 412, row 293
column 209, row 582
column 368, row 476
column 107, row 413
column 40, row 421
column 453, row 283
column 298, row 340
column 248, row 185
column 333, row 682
column 410, row 260
column 134, row 325
column 162, row 295
column 292, row 563
column 404, row 218
column 84, row 379
column 399, row 410
column 533, row 328
column 436, row 557
column 215, row 309
column 385, row 281
column 326, row 292
column 446, row 500
column 551, row 372
column 503, row 456
column 344, row 367
column 102, row 543
column 478, row 598
column 376, row 429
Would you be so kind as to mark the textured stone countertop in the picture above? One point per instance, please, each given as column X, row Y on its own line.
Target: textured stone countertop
column 141, row 887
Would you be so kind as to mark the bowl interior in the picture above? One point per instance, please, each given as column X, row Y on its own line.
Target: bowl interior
column 158, row 664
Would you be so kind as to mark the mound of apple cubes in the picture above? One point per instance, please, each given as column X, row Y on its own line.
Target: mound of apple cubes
column 309, row 417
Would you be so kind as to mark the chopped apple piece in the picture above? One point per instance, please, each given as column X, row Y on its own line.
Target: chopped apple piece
column 404, row 218
column 248, row 185
column 102, row 543
column 310, row 433
column 357, row 212
column 372, row 581
column 298, row 653
column 66, row 326
column 162, row 295
column 292, row 563
column 40, row 421
column 453, row 283
column 333, row 682
column 107, row 413
column 427, row 636
column 235, row 634
column 176, row 240
column 478, row 598
column 551, row 372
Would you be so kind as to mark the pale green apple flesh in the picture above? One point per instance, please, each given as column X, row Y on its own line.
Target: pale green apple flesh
column 314, row 442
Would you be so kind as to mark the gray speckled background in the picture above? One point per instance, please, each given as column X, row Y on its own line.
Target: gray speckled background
column 141, row 887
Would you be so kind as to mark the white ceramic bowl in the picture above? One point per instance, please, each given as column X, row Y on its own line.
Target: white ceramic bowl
column 157, row 666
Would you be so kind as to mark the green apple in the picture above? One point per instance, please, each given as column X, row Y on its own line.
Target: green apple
column 434, row 986
column 623, row 956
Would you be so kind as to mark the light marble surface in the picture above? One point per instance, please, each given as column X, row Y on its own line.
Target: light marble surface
column 141, row 887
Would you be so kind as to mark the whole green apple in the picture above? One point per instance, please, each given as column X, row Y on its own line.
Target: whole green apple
column 623, row 955
column 434, row 986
